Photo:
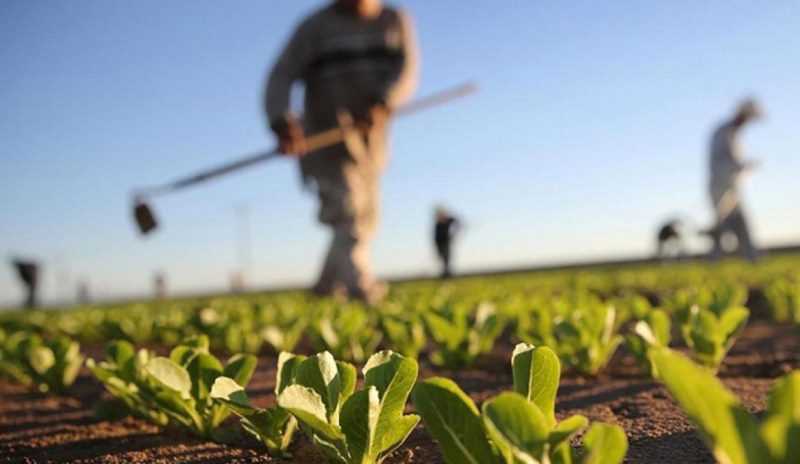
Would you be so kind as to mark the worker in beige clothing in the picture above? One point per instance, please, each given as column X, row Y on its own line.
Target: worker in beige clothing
column 727, row 168
column 358, row 61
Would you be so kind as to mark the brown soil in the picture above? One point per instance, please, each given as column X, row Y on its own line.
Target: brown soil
column 38, row 428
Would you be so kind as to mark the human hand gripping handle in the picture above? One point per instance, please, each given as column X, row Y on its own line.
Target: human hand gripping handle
column 291, row 137
column 293, row 142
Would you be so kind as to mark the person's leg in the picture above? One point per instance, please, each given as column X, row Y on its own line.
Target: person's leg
column 349, row 204
column 447, row 272
column 739, row 226
column 716, row 238
column 716, row 234
column 365, row 201
column 30, row 301
column 324, row 285
column 442, row 253
column 332, row 212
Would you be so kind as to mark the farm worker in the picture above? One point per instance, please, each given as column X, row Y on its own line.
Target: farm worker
column 669, row 240
column 727, row 169
column 357, row 59
column 444, row 232
column 28, row 273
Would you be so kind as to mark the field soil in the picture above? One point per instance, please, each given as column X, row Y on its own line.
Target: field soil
column 39, row 428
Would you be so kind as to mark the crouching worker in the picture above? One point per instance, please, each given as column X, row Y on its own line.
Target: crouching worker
column 356, row 58
column 669, row 241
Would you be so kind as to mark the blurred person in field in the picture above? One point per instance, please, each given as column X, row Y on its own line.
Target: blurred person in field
column 160, row 285
column 445, row 231
column 727, row 170
column 357, row 59
column 28, row 273
column 669, row 240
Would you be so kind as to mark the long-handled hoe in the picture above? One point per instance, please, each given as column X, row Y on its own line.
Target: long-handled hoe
column 146, row 220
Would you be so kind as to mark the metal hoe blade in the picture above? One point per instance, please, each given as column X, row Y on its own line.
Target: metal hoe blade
column 144, row 216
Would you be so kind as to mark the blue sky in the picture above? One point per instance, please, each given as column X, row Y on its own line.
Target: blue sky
column 591, row 127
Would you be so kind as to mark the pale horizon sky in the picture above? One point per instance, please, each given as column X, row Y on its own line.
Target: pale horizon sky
column 590, row 129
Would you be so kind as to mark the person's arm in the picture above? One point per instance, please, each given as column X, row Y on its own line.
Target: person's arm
column 725, row 157
column 402, row 83
column 287, row 70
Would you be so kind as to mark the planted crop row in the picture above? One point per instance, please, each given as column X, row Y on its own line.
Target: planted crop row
column 584, row 329
column 317, row 395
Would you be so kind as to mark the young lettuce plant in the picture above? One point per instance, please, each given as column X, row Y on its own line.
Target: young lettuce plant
column 11, row 353
column 282, row 322
column 230, row 326
column 347, row 332
column 534, row 324
column 732, row 434
column 406, row 334
column 716, row 298
column 272, row 426
column 654, row 329
column 349, row 427
column 286, row 335
column 51, row 366
column 514, row 427
column 459, row 342
column 783, row 300
column 184, row 382
column 123, row 375
column 710, row 335
column 588, row 337
column 632, row 306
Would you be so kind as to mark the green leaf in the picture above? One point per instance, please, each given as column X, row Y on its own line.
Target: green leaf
column 398, row 433
column 661, row 326
column 308, row 407
column 536, row 373
column 42, row 359
column 321, row 373
column 182, row 354
column 781, row 428
column 287, row 370
column 566, row 429
column 359, row 420
column 181, row 411
column 169, row 375
column 232, row 395
column 347, row 374
column 240, row 368
column 452, row 419
column 393, row 376
column 72, row 368
column 784, row 400
column 120, row 352
column 732, row 322
column 604, row 444
column 726, row 427
column 203, row 370
column 273, row 426
column 517, row 427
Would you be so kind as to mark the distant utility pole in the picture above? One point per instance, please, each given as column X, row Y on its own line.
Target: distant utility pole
column 242, row 276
